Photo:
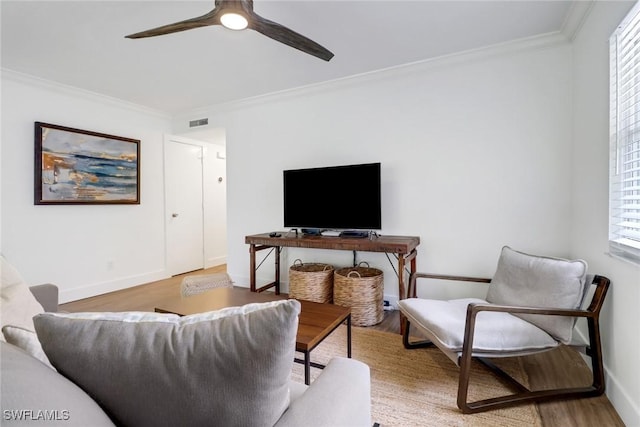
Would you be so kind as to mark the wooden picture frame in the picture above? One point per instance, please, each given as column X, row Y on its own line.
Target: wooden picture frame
column 78, row 167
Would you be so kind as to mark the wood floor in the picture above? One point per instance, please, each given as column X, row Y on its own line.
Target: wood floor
column 597, row 412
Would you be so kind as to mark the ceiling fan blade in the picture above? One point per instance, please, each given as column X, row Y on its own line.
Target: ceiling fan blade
column 210, row 18
column 289, row 37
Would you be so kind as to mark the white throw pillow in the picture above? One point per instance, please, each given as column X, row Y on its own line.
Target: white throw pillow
column 17, row 303
column 26, row 340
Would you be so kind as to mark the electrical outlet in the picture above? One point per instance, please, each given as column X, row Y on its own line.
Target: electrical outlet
column 390, row 302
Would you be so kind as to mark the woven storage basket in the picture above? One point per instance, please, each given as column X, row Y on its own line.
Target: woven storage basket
column 311, row 282
column 362, row 289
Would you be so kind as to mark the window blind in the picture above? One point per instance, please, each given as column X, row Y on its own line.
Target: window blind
column 624, row 167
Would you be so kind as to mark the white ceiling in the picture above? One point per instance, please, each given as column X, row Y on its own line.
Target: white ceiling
column 82, row 44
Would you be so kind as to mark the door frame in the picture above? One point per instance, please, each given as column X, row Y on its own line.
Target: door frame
column 215, row 245
column 174, row 139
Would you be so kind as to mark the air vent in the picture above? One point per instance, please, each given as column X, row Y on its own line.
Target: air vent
column 199, row 122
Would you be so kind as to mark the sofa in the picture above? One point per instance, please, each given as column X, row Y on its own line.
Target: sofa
column 88, row 384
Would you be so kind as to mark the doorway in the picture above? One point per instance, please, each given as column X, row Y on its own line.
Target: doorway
column 184, row 206
column 195, row 192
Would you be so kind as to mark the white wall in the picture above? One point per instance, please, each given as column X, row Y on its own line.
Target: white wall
column 85, row 250
column 215, row 206
column 620, row 316
column 475, row 152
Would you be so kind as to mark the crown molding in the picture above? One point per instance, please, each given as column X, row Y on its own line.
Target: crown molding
column 570, row 29
column 30, row 80
column 580, row 10
column 514, row 47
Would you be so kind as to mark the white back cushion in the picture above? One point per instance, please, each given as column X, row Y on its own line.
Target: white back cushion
column 527, row 280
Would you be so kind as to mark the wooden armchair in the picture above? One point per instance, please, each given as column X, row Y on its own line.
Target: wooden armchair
column 532, row 306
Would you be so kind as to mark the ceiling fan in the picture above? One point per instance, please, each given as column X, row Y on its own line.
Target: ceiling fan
column 238, row 15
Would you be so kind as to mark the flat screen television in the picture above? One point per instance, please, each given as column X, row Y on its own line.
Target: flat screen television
column 335, row 198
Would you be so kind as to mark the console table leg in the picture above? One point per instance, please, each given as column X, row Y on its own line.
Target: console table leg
column 413, row 270
column 349, row 336
column 277, row 275
column 401, row 287
column 252, row 267
column 411, row 257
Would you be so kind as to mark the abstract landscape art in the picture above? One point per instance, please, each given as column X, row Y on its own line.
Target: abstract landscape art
column 74, row 166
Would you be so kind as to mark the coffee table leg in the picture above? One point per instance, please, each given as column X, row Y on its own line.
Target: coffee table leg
column 307, row 367
column 349, row 336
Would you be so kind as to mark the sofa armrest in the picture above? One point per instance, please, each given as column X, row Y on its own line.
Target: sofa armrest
column 47, row 296
column 340, row 396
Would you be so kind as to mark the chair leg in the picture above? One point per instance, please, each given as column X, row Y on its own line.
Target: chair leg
column 524, row 395
column 594, row 350
column 415, row 344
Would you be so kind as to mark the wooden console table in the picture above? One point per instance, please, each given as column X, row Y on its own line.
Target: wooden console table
column 403, row 247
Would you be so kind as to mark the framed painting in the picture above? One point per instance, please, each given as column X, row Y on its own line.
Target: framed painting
column 74, row 166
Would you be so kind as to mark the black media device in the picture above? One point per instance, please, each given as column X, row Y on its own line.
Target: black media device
column 335, row 197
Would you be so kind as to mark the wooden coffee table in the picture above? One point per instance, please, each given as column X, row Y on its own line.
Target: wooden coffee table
column 316, row 320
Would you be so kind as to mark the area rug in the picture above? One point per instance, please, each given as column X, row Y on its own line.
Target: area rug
column 193, row 285
column 419, row 387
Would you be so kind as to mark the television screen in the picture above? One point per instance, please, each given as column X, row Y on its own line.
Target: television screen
column 337, row 197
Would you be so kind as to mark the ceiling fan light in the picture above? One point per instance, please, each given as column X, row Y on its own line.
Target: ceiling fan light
column 234, row 21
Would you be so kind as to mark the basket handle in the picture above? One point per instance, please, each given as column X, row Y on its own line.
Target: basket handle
column 363, row 262
column 353, row 271
column 297, row 260
column 327, row 266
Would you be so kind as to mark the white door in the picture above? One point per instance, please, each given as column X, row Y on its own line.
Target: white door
column 184, row 207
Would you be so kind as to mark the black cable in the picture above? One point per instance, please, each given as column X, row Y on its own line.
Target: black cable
column 394, row 266
column 264, row 259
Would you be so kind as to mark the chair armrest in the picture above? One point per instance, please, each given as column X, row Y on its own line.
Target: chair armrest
column 340, row 396
column 46, row 295
column 415, row 276
column 474, row 308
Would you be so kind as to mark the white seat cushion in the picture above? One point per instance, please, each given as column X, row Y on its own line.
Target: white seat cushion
column 444, row 321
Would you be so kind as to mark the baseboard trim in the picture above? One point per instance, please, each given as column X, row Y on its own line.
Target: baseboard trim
column 215, row 261
column 615, row 392
column 620, row 399
column 87, row 291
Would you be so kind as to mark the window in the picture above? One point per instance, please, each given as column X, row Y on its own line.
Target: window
column 624, row 157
